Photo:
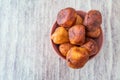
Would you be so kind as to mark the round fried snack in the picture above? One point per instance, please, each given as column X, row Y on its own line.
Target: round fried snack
column 77, row 34
column 64, row 48
column 78, row 20
column 77, row 57
column 60, row 36
column 91, row 46
column 95, row 33
column 66, row 17
column 92, row 19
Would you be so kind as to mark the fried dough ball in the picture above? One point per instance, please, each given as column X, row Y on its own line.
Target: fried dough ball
column 95, row 33
column 78, row 20
column 66, row 17
column 77, row 34
column 92, row 19
column 77, row 57
column 91, row 46
column 64, row 48
column 60, row 36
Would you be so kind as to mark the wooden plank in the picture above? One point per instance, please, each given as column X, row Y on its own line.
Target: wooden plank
column 25, row 49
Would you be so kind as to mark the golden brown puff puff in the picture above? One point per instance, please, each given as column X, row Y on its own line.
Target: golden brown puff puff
column 77, row 57
column 77, row 34
column 66, row 17
column 60, row 36
column 91, row 46
column 92, row 19
column 64, row 48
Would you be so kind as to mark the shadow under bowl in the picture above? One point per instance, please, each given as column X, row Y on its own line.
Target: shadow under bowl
column 99, row 40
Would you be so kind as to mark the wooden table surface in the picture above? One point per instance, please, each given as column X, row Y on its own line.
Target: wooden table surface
column 25, row 49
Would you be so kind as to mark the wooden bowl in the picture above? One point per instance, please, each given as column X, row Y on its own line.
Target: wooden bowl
column 99, row 40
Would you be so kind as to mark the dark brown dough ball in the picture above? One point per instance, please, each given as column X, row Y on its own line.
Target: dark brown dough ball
column 95, row 33
column 91, row 46
column 64, row 48
column 77, row 34
column 92, row 19
column 66, row 17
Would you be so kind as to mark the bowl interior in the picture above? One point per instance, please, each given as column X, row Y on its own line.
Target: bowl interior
column 99, row 40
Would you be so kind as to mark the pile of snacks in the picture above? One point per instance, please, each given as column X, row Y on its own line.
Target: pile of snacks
column 76, row 35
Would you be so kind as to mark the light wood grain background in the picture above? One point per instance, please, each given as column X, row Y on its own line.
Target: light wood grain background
column 25, row 49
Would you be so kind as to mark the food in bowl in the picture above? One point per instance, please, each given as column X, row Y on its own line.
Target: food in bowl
column 77, row 36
